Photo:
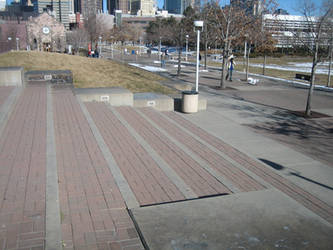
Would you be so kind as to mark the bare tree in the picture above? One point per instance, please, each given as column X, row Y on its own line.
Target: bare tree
column 233, row 23
column 78, row 38
column 225, row 23
column 317, row 19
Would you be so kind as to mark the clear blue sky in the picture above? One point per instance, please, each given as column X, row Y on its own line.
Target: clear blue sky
column 288, row 5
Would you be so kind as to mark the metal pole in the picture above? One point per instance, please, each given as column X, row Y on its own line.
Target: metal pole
column 100, row 44
column 197, row 69
column 186, row 47
column 159, row 51
column 17, row 43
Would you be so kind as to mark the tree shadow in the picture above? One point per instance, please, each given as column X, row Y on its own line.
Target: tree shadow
column 310, row 180
column 274, row 165
column 279, row 167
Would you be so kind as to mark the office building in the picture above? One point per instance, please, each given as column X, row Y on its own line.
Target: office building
column 253, row 7
column 290, row 31
column 123, row 5
column 143, row 7
column 178, row 6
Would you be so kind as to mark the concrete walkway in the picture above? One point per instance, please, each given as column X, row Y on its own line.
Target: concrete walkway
column 95, row 167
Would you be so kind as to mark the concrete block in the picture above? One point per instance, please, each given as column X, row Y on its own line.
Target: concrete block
column 115, row 96
column 50, row 76
column 11, row 76
column 157, row 101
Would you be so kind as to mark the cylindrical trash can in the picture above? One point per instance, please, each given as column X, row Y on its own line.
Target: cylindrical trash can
column 190, row 101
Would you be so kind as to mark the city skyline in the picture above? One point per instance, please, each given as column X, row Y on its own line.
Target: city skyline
column 288, row 5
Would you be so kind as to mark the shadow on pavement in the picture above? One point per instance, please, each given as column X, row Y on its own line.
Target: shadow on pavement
column 279, row 167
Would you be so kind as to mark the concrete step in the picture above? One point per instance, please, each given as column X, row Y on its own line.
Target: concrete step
column 115, row 96
column 157, row 101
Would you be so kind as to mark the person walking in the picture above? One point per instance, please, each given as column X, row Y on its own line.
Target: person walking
column 231, row 66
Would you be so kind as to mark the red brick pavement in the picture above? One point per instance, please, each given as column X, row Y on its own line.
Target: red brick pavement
column 240, row 179
column 22, row 173
column 148, row 182
column 4, row 93
column 306, row 199
column 93, row 213
column 196, row 177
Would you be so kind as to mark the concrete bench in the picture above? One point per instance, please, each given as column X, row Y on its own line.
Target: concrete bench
column 11, row 76
column 116, row 96
column 303, row 77
column 50, row 76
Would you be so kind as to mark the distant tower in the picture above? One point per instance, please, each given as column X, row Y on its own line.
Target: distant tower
column 251, row 6
column 122, row 5
column 178, row 6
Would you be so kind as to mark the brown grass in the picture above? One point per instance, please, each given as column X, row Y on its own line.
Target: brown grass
column 88, row 72
column 321, row 79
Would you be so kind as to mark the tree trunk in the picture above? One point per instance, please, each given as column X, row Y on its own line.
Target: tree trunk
column 312, row 83
column 247, row 63
column 179, row 61
column 329, row 67
column 180, row 47
column 222, row 85
column 225, row 50
column 264, row 65
column 206, row 42
column 244, row 58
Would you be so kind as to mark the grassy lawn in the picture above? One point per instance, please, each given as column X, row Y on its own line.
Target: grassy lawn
column 88, row 72
column 321, row 79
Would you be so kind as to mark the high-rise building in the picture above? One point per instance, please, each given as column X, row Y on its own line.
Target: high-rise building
column 143, row 7
column 178, row 6
column 123, row 5
column 253, row 7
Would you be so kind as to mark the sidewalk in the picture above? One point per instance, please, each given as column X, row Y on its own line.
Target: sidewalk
column 90, row 176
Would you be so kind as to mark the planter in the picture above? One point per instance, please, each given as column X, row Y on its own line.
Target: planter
column 190, row 101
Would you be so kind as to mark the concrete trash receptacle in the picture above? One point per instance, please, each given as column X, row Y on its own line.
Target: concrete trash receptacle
column 190, row 101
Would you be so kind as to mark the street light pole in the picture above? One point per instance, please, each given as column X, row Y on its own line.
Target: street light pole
column 186, row 47
column 100, row 48
column 159, row 51
column 10, row 39
column 198, row 25
column 17, row 43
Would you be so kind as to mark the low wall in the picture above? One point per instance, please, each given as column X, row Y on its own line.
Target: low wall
column 114, row 96
column 11, row 76
column 50, row 76
column 157, row 101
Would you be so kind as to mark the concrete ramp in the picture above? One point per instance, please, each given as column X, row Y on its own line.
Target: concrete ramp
column 266, row 219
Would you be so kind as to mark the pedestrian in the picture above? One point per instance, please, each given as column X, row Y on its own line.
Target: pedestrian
column 162, row 61
column 231, row 66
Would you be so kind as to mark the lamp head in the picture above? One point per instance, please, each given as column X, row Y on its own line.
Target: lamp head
column 198, row 24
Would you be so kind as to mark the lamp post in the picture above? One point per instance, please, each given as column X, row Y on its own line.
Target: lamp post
column 140, row 46
column 198, row 26
column 186, row 48
column 17, row 43
column 100, row 47
column 9, row 41
column 159, row 51
column 111, row 37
